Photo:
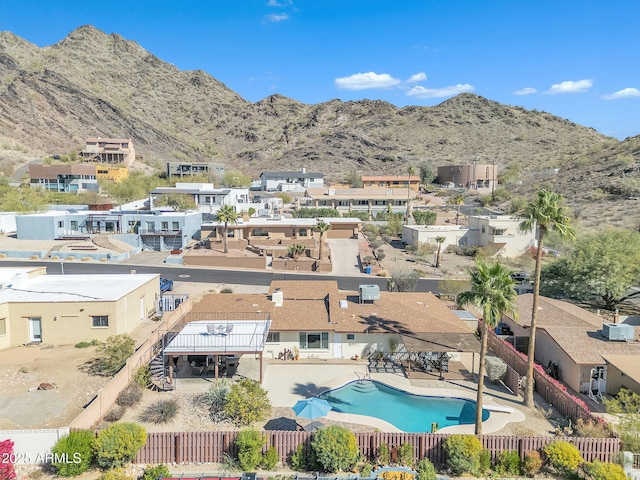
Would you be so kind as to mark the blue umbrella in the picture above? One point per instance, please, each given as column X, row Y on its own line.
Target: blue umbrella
column 312, row 408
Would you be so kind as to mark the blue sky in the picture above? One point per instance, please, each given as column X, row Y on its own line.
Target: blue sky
column 579, row 60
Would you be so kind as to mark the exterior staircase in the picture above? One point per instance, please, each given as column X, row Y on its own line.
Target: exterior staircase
column 160, row 374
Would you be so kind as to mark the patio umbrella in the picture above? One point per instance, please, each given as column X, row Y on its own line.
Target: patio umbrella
column 311, row 408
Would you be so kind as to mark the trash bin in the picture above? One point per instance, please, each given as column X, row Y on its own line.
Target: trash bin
column 367, row 269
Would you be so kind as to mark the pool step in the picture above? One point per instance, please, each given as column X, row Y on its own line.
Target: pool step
column 365, row 387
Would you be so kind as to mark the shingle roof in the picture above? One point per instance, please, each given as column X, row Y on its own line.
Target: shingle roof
column 555, row 312
column 588, row 346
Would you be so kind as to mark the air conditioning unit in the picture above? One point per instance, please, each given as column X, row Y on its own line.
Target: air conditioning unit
column 618, row 331
column 369, row 293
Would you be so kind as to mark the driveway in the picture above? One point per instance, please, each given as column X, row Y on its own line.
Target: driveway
column 344, row 255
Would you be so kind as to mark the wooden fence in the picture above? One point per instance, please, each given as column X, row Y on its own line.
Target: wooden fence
column 210, row 447
column 566, row 404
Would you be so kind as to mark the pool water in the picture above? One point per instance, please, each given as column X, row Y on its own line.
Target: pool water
column 406, row 411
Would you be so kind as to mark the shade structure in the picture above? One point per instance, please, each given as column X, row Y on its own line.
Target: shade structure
column 311, row 408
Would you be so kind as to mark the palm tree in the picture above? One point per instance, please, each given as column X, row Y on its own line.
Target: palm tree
column 457, row 201
column 226, row 214
column 440, row 241
column 296, row 250
column 322, row 227
column 492, row 291
column 547, row 213
column 411, row 170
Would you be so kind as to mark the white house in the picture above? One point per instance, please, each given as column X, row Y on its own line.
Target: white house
column 291, row 181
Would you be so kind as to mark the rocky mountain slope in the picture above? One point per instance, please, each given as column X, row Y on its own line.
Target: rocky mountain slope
column 94, row 84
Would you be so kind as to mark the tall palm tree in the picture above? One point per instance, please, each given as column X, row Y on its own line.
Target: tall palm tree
column 322, row 227
column 411, row 170
column 547, row 212
column 439, row 241
column 226, row 214
column 492, row 291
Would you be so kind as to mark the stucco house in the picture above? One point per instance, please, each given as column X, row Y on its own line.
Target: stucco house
column 391, row 181
column 475, row 176
column 288, row 181
column 579, row 342
column 66, row 309
column 109, row 150
column 371, row 200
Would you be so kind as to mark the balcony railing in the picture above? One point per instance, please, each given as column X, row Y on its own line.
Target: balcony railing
column 160, row 233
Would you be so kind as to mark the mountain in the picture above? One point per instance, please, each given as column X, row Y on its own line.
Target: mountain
column 97, row 84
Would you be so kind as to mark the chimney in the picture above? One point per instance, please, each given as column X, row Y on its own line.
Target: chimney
column 616, row 317
column 277, row 297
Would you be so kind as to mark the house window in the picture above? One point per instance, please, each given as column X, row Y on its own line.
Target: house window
column 99, row 320
column 74, row 225
column 3, row 326
column 259, row 232
column 351, row 336
column 151, row 226
column 314, row 340
column 61, row 224
column 273, row 337
column 164, row 225
column 302, row 232
column 175, row 225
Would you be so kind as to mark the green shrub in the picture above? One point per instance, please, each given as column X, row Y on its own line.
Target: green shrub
column 77, row 449
column 216, row 398
column 384, row 454
column 598, row 470
column 114, row 414
column 114, row 474
column 155, row 472
column 129, row 396
column 92, row 343
column 247, row 403
column 508, row 463
column 463, row 453
column 160, row 411
column 484, row 463
column 531, row 464
column 563, row 456
column 249, row 443
column 426, row 470
column 364, row 216
column 270, row 458
column 142, row 377
column 405, row 454
column 118, row 444
column 113, row 354
column 366, row 468
column 226, row 290
column 304, row 458
column 336, row 448
column 592, row 429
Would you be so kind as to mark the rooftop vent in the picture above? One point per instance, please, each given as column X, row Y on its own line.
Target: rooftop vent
column 369, row 293
column 278, row 298
column 619, row 332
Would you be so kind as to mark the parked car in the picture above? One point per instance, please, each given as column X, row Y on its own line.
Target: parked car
column 166, row 285
column 520, row 276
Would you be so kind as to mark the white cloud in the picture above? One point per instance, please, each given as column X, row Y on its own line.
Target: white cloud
column 276, row 3
column 364, row 81
column 624, row 93
column 277, row 17
column 526, row 91
column 417, row 77
column 570, row 87
column 421, row 92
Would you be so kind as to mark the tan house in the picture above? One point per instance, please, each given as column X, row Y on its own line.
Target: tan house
column 476, row 176
column 109, row 150
column 579, row 342
column 391, row 181
column 371, row 200
column 66, row 309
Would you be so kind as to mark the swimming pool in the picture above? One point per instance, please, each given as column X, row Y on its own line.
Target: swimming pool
column 406, row 411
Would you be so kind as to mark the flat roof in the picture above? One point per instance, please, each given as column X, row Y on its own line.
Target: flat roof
column 73, row 288
column 220, row 336
column 286, row 221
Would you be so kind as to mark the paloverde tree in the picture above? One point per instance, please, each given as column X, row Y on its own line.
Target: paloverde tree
column 226, row 214
column 492, row 290
column 322, row 227
column 546, row 213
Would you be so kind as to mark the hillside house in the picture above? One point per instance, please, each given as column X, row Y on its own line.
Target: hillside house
column 64, row 178
column 283, row 181
column 190, row 169
column 474, row 177
column 371, row 200
column 391, row 181
column 109, row 150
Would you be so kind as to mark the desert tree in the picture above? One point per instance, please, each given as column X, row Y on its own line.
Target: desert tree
column 227, row 214
column 322, row 227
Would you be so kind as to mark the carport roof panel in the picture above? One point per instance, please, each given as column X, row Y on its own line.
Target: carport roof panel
column 218, row 337
column 441, row 342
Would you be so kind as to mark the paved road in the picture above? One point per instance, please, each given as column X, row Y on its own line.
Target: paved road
column 213, row 275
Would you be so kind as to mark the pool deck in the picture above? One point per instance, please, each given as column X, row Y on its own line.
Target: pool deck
column 288, row 382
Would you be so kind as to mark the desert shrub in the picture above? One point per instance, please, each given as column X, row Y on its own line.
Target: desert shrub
column 370, row 227
column 463, row 453
column 77, row 447
column 216, row 398
column 364, row 216
column 426, row 470
column 425, row 217
column 155, row 472
column 114, row 414
column 129, row 396
column 531, row 464
column 369, row 259
column 270, row 458
column 113, row 354
column 247, row 403
column 160, row 411
column 114, row 474
column 249, row 443
column 598, row 470
column 92, row 343
column 384, row 454
column 592, row 429
column 142, row 377
column 336, row 448
column 508, row 463
column 366, row 468
column 226, row 290
column 304, row 458
column 380, row 254
column 405, row 454
column 376, row 244
column 118, row 444
column 563, row 456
